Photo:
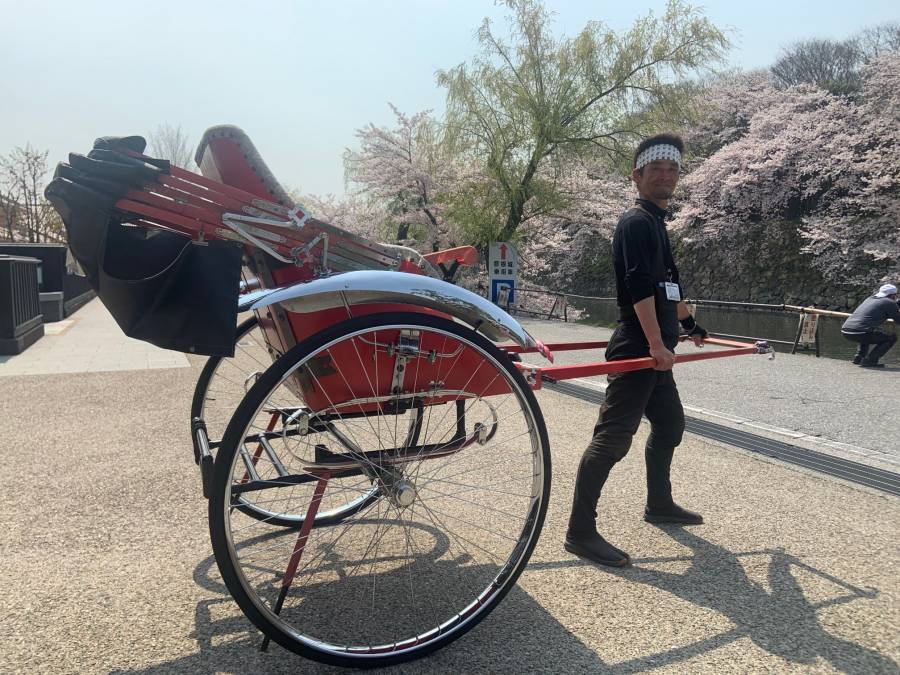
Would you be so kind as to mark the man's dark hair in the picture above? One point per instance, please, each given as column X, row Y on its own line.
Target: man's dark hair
column 659, row 139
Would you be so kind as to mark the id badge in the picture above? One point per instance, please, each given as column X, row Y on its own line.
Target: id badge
column 673, row 292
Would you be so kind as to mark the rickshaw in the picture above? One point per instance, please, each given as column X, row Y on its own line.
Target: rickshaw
column 376, row 464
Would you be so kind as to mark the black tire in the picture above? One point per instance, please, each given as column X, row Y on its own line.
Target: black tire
column 253, row 586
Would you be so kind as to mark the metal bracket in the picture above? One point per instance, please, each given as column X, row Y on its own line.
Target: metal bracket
column 407, row 348
column 300, row 419
column 301, row 254
column 530, row 373
column 230, row 220
column 203, row 455
column 252, row 379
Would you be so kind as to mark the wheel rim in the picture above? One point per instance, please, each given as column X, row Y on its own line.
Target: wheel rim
column 377, row 585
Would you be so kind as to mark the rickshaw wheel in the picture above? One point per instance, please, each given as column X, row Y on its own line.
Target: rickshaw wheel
column 375, row 589
column 223, row 383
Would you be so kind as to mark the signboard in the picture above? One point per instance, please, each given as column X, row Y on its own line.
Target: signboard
column 503, row 270
column 810, row 326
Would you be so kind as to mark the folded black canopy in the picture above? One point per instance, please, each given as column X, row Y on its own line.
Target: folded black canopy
column 161, row 287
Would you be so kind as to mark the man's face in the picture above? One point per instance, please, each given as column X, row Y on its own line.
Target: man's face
column 658, row 179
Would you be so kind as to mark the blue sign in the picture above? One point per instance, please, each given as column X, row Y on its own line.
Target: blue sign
column 503, row 292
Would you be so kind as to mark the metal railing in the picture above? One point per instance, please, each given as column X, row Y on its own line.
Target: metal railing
column 809, row 338
column 558, row 308
column 804, row 320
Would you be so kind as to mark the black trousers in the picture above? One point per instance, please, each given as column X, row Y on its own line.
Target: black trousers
column 629, row 396
column 882, row 341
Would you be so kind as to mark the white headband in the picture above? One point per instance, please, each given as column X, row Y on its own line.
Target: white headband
column 661, row 151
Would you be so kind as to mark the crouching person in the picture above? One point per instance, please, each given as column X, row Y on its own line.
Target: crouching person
column 862, row 326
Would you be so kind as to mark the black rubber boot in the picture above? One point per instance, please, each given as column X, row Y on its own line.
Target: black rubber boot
column 672, row 514
column 596, row 548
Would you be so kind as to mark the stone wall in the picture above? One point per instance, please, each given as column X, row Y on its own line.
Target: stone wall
column 772, row 269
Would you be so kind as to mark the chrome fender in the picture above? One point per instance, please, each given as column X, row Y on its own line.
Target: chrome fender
column 370, row 286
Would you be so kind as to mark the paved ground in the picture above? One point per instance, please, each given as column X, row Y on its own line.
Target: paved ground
column 834, row 404
column 88, row 341
column 107, row 563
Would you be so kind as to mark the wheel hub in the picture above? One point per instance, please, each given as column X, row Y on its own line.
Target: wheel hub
column 402, row 493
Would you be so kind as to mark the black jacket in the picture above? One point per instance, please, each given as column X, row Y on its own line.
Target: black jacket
column 643, row 262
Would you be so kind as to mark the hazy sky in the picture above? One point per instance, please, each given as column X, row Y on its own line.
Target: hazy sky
column 299, row 77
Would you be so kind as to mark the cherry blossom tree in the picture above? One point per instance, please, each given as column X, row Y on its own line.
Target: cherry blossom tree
column 807, row 156
column 407, row 170
column 723, row 109
column 353, row 213
column 771, row 167
column 569, row 247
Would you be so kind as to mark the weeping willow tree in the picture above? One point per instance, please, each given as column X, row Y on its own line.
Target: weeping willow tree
column 531, row 103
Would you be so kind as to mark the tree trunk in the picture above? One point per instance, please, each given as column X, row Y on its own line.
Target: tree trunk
column 435, row 230
column 516, row 212
column 9, row 217
column 523, row 189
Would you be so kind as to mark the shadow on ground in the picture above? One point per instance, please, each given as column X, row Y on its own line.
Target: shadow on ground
column 782, row 621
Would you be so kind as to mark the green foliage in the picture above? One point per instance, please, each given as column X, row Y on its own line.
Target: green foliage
column 478, row 207
column 399, row 231
column 530, row 102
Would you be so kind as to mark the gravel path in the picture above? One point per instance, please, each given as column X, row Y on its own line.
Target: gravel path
column 108, row 567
